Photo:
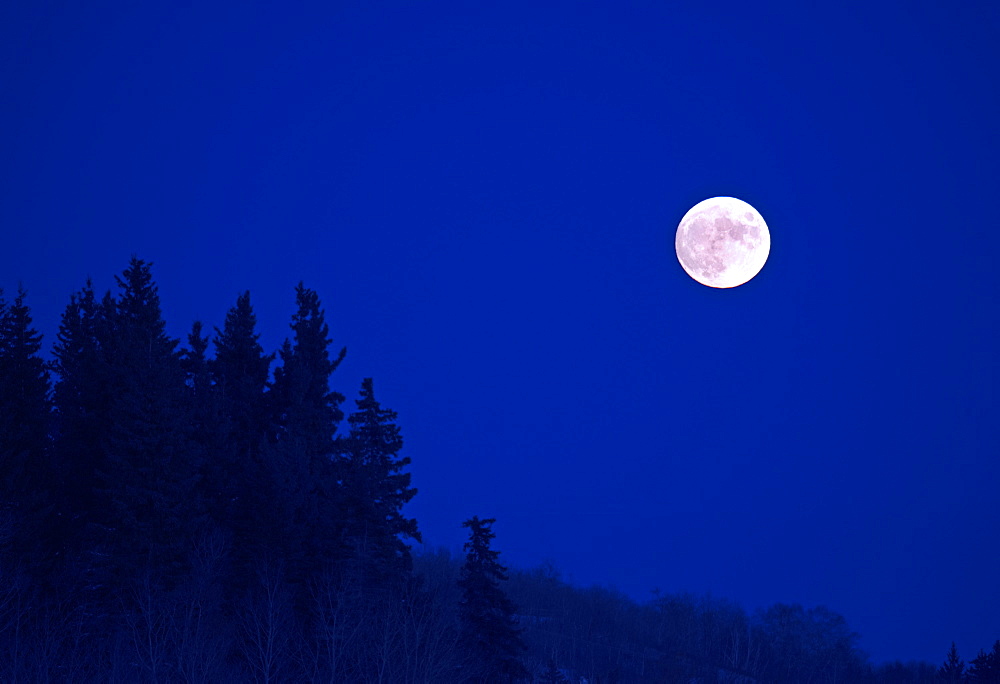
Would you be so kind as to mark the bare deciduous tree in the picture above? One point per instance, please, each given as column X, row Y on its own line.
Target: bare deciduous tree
column 266, row 625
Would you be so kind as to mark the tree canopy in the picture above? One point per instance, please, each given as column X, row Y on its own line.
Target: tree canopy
column 188, row 512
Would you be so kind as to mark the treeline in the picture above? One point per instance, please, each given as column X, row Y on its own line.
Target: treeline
column 174, row 516
column 210, row 513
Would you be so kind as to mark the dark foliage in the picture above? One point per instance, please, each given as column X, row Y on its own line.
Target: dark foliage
column 952, row 671
column 985, row 667
column 905, row 673
column 241, row 488
column 150, row 477
column 82, row 400
column 375, row 489
column 304, row 406
column 300, row 459
column 552, row 675
column 489, row 631
column 170, row 515
column 26, row 474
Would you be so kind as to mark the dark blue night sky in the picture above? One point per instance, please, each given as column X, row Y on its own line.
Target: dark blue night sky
column 486, row 199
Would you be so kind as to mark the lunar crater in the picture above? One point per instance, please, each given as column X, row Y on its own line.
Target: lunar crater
column 722, row 242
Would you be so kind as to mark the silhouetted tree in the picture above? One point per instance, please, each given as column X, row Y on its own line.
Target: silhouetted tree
column 25, row 472
column 82, row 397
column 243, row 485
column 301, row 458
column 489, row 632
column 149, row 476
column 985, row 667
column 953, row 669
column 145, row 440
column 375, row 491
column 194, row 363
column 898, row 672
column 240, row 371
column 814, row 645
column 304, row 407
column 207, row 443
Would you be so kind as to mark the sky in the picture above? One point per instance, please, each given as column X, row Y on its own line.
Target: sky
column 485, row 197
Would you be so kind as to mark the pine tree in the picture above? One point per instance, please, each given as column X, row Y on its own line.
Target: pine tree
column 240, row 371
column 150, row 472
column 246, row 497
column 300, row 459
column 194, row 363
column 953, row 669
column 489, row 632
column 305, row 408
column 206, row 423
column 376, row 489
column 985, row 668
column 82, row 398
column 25, row 470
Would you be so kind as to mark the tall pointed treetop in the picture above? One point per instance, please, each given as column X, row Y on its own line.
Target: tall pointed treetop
column 23, row 372
column 24, row 406
column 952, row 671
column 375, row 490
column 240, row 366
column 139, row 301
column 489, row 632
column 305, row 407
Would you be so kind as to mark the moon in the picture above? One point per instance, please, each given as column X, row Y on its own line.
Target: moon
column 722, row 242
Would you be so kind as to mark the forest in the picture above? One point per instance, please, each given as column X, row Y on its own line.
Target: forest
column 206, row 511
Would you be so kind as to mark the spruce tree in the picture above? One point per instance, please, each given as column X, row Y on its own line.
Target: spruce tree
column 300, row 459
column 82, row 398
column 489, row 633
column 206, row 424
column 375, row 491
column 25, row 471
column 304, row 407
column 985, row 667
column 194, row 363
column 953, row 669
column 240, row 371
column 150, row 472
column 246, row 497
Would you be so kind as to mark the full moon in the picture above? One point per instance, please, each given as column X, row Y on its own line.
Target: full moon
column 722, row 242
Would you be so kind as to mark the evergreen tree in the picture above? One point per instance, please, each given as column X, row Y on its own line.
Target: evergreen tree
column 150, row 471
column 304, row 407
column 376, row 489
column 489, row 632
column 25, row 472
column 240, row 371
column 82, row 398
column 300, row 460
column 206, row 424
column 985, row 667
column 245, row 494
column 953, row 669
column 194, row 363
